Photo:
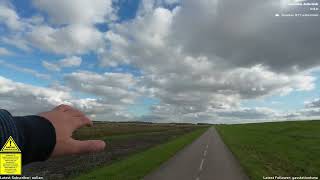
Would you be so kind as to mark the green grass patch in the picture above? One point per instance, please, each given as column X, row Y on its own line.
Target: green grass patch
column 140, row 164
column 275, row 149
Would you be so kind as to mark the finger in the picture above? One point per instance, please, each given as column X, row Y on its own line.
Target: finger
column 76, row 113
column 79, row 118
column 89, row 146
column 63, row 107
column 90, row 123
column 85, row 121
column 81, row 122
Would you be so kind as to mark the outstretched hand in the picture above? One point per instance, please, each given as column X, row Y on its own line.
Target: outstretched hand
column 66, row 120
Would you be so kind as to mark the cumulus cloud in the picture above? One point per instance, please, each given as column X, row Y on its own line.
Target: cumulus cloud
column 149, row 32
column 9, row 17
column 25, row 70
column 310, row 112
column 21, row 99
column 253, row 35
column 115, row 88
column 217, row 116
column 72, row 39
column 77, row 11
column 303, row 114
column 16, row 41
column 186, row 77
column 313, row 104
column 5, row 52
column 15, row 96
column 67, row 40
column 50, row 66
column 73, row 61
column 71, row 29
column 248, row 113
column 196, row 57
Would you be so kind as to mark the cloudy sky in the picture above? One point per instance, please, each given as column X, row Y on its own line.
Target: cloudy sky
column 217, row 61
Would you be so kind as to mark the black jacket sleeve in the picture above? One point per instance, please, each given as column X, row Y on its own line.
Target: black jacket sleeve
column 34, row 135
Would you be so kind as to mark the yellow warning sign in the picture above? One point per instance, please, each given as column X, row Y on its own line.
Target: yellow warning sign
column 10, row 146
column 10, row 164
column 10, row 158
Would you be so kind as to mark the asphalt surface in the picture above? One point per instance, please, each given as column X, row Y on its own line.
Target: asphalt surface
column 207, row 158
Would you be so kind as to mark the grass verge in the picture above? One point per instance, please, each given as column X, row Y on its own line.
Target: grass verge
column 140, row 164
column 275, row 149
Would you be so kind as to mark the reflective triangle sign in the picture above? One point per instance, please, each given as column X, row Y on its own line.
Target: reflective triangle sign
column 10, row 146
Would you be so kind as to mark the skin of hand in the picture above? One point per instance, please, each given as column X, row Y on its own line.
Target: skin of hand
column 66, row 120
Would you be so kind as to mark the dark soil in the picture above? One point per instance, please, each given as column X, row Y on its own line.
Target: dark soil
column 71, row 166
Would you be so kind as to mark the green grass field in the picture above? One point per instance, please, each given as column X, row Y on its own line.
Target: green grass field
column 139, row 165
column 275, row 149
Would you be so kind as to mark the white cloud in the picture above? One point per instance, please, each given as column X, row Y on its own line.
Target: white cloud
column 14, row 96
column 17, row 41
column 313, row 104
column 148, row 34
column 191, row 77
column 50, row 66
column 246, row 39
column 187, row 84
column 232, row 115
column 25, row 70
column 310, row 112
column 9, row 17
column 77, row 11
column 115, row 88
column 67, row 40
column 5, row 52
column 147, row 6
column 76, row 33
column 72, row 39
column 73, row 61
column 248, row 113
column 17, row 95
column 200, row 66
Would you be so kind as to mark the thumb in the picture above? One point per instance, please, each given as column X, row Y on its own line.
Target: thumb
column 89, row 146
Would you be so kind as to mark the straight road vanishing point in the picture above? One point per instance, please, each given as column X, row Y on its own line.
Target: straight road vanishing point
column 207, row 158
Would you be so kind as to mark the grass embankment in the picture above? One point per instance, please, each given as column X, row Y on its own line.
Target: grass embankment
column 275, row 149
column 139, row 165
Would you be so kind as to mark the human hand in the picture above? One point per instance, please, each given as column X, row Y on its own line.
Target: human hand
column 66, row 120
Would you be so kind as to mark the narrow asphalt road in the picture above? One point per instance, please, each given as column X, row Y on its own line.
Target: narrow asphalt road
column 207, row 158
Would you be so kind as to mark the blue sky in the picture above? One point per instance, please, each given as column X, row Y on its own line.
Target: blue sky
column 131, row 60
column 290, row 102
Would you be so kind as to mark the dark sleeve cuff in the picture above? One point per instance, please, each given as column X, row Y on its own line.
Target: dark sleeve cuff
column 39, row 138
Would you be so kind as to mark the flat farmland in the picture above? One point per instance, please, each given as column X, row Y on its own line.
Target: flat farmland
column 285, row 149
column 123, row 140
